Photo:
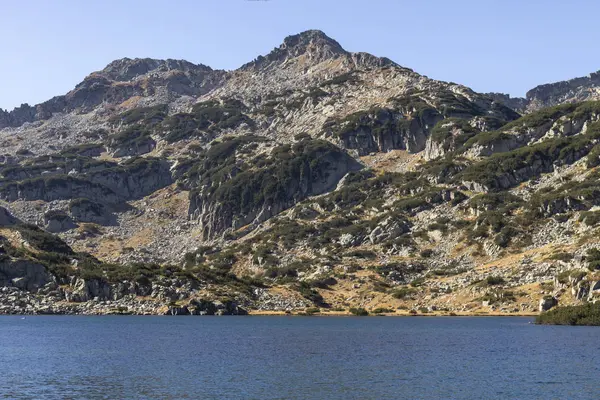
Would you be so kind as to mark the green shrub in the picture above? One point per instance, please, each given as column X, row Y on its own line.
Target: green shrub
column 593, row 259
column 561, row 256
column 44, row 241
column 493, row 171
column 442, row 132
column 146, row 115
column 417, row 282
column 590, row 218
column 426, row 253
column 281, row 178
column 309, row 293
column 494, row 280
column 382, row 310
column 133, row 137
column 361, row 312
column 587, row 314
column 205, row 119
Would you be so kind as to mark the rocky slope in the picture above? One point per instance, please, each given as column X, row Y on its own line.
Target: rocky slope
column 309, row 177
column 575, row 90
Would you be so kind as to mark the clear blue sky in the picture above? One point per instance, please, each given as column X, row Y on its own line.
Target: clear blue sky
column 490, row 45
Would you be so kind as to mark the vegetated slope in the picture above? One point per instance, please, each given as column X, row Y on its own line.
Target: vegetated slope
column 310, row 176
column 587, row 315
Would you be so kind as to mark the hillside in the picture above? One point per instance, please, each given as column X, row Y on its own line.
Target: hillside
column 309, row 177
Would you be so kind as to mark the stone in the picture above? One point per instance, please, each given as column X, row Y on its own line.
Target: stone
column 177, row 311
column 58, row 221
column 547, row 302
column 387, row 229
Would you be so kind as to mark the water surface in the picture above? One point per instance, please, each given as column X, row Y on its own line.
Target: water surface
column 55, row 357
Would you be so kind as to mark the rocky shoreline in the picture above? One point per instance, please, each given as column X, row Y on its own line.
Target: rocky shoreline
column 17, row 302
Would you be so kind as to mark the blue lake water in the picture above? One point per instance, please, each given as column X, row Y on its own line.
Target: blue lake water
column 56, row 357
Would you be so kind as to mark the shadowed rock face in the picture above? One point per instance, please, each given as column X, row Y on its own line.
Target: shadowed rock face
column 253, row 196
column 106, row 185
column 384, row 130
column 58, row 222
column 518, row 104
column 23, row 274
column 86, row 210
column 6, row 218
column 17, row 117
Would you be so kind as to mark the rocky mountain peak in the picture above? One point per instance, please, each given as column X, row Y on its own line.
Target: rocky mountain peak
column 126, row 69
column 315, row 45
column 312, row 41
column 576, row 89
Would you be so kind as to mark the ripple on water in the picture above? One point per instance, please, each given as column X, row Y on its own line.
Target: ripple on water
column 55, row 357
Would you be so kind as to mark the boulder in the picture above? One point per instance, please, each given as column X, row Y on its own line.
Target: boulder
column 202, row 307
column 387, row 229
column 176, row 310
column 88, row 289
column 207, row 307
column 349, row 240
column 57, row 221
column 547, row 302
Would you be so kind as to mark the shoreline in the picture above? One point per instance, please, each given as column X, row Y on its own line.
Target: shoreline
column 291, row 314
column 399, row 314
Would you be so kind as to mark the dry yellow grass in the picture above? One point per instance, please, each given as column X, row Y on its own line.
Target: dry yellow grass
column 393, row 161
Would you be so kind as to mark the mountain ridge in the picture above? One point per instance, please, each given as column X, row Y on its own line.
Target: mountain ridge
column 310, row 176
column 316, row 46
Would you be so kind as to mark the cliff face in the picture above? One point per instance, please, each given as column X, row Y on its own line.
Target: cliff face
column 518, row 104
column 107, row 183
column 307, row 174
column 250, row 194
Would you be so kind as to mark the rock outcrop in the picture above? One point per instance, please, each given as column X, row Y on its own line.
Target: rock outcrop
column 251, row 196
column 547, row 303
column 23, row 274
column 57, row 221
column 551, row 94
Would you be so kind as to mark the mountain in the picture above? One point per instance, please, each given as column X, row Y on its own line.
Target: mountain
column 308, row 177
column 572, row 91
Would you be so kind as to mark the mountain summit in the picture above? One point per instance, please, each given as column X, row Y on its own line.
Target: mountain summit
column 314, row 45
column 126, row 69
